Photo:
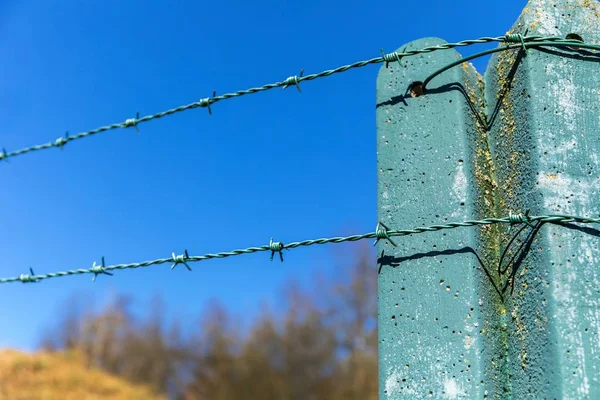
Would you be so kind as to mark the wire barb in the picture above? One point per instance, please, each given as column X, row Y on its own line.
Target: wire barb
column 205, row 102
column 181, row 259
column 388, row 58
column 61, row 141
column 132, row 122
column 99, row 269
column 381, row 232
column 276, row 247
column 25, row 278
column 294, row 80
column 514, row 219
column 3, row 155
column 516, row 38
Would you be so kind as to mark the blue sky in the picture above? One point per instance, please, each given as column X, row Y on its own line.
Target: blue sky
column 280, row 163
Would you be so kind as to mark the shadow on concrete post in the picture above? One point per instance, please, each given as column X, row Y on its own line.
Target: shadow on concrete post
column 452, row 322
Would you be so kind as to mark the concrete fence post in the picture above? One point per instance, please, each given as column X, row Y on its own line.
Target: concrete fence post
column 428, row 284
column 455, row 322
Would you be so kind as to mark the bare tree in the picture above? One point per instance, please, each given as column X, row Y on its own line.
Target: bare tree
column 112, row 340
column 323, row 345
column 215, row 371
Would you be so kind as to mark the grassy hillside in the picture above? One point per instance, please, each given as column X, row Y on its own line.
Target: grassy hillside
column 42, row 376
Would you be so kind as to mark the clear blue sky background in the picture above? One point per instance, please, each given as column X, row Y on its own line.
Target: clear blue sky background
column 279, row 163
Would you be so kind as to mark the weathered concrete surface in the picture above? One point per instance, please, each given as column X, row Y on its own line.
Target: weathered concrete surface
column 450, row 326
column 545, row 145
column 431, row 284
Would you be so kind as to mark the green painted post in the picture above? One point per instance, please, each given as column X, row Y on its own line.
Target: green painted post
column 428, row 297
column 451, row 325
column 545, row 143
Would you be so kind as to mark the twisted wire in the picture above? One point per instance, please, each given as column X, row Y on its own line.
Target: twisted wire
column 278, row 246
column 291, row 81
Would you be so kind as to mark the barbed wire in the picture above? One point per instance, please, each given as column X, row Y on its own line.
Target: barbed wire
column 291, row 81
column 382, row 232
column 556, row 43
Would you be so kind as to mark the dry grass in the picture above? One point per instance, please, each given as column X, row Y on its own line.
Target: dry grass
column 61, row 376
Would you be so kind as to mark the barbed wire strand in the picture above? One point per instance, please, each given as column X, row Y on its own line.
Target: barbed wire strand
column 291, row 81
column 555, row 43
column 381, row 233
